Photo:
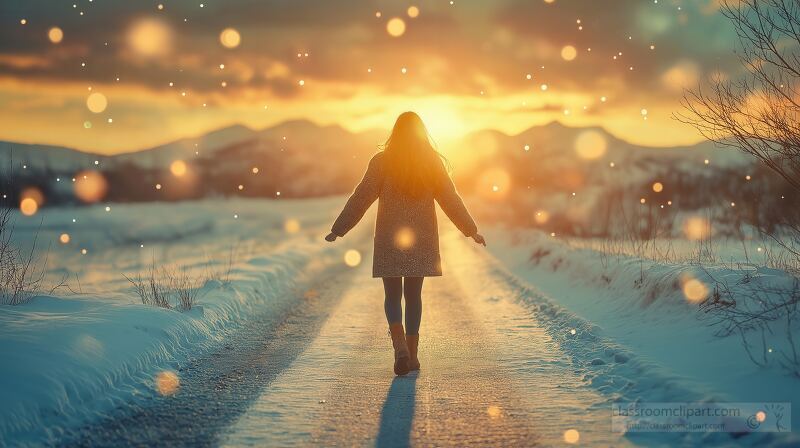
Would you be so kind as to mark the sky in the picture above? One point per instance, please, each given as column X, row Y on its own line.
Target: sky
column 119, row 75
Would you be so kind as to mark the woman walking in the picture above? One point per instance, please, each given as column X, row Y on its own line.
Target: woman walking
column 406, row 177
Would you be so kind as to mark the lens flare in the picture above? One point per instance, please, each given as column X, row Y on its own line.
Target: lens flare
column 90, row 186
column 352, row 258
column 396, row 27
column 167, row 383
column 230, row 38
column 591, row 145
column 97, row 102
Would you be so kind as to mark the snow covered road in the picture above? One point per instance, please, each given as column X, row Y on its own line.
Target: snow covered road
column 321, row 374
column 490, row 375
column 294, row 351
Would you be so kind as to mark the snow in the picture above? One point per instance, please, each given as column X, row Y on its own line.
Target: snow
column 639, row 304
column 547, row 311
column 69, row 357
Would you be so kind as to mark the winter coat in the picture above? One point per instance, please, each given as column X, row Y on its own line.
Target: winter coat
column 406, row 232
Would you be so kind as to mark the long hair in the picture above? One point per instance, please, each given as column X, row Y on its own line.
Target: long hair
column 410, row 159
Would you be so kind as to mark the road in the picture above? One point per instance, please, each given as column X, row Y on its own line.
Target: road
column 321, row 374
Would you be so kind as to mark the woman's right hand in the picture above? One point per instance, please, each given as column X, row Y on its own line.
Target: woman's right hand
column 331, row 237
column 479, row 239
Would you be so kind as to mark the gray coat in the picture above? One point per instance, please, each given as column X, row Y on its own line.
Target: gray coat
column 406, row 232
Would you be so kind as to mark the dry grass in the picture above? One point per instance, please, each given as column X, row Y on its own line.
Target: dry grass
column 166, row 287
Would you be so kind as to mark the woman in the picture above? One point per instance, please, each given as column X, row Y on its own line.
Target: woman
column 406, row 177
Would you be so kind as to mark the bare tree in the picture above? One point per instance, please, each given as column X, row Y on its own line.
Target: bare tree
column 757, row 112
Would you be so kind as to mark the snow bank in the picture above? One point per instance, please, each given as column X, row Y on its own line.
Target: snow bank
column 68, row 359
column 641, row 305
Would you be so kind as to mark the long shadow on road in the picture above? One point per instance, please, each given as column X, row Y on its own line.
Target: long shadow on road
column 215, row 389
column 397, row 414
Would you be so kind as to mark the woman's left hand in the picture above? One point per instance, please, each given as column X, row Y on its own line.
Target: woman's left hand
column 331, row 237
column 479, row 239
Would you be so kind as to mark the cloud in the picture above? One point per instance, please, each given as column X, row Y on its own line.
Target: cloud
column 473, row 55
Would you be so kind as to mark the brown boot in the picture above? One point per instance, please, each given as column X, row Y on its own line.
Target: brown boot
column 413, row 342
column 400, row 349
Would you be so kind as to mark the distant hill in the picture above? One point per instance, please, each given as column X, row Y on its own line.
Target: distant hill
column 300, row 158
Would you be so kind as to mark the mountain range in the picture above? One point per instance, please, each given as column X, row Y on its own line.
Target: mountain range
column 300, row 158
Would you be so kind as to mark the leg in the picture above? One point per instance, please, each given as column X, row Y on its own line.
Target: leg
column 412, row 290
column 393, row 288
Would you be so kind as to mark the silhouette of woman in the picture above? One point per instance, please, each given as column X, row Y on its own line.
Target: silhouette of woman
column 406, row 177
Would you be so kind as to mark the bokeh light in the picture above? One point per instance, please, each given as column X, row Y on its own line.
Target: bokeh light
column 591, row 145
column 64, row 238
column 568, row 53
column 694, row 290
column 230, row 38
column 696, row 228
column 658, row 187
column 404, row 238
column 90, row 186
column 352, row 258
column 494, row 183
column 150, row 37
column 572, row 436
column 178, row 168
column 28, row 206
column 396, row 27
column 167, row 383
column 55, row 34
column 542, row 216
column 413, row 12
column 494, row 411
column 291, row 225
column 31, row 199
column 96, row 102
